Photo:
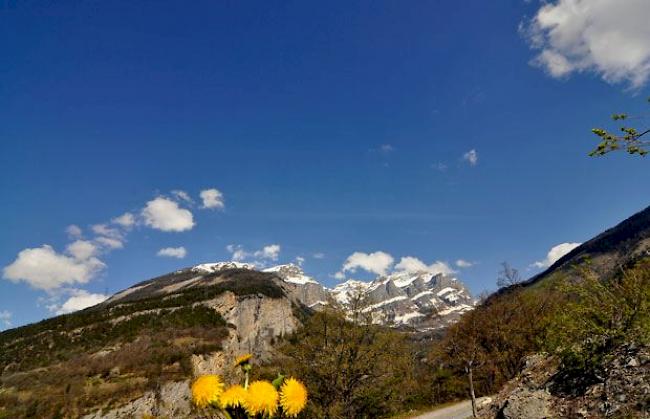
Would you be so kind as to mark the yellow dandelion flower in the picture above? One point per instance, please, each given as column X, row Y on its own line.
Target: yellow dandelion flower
column 234, row 396
column 206, row 390
column 261, row 398
column 243, row 359
column 293, row 397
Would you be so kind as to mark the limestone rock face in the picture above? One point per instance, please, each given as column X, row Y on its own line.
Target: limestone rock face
column 257, row 320
column 172, row 401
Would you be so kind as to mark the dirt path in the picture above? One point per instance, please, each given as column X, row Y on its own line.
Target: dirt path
column 460, row 410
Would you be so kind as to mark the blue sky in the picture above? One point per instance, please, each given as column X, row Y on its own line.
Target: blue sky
column 437, row 130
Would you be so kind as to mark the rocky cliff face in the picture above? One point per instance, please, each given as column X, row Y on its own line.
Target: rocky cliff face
column 542, row 391
column 302, row 287
column 255, row 321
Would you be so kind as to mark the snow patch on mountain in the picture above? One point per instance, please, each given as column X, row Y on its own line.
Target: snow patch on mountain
column 220, row 266
column 342, row 293
column 383, row 303
column 291, row 273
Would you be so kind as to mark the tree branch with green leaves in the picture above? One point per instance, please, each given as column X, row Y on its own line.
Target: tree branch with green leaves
column 632, row 140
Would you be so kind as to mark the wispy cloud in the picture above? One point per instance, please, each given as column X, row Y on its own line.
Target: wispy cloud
column 462, row 263
column 268, row 253
column 471, row 157
column 6, row 318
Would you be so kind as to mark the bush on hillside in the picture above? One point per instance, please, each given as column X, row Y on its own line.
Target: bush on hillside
column 597, row 317
column 355, row 369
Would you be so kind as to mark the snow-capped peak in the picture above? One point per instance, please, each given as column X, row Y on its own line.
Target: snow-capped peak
column 291, row 273
column 220, row 266
column 342, row 292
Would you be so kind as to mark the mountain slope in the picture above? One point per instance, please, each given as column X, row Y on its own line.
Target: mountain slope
column 146, row 340
column 618, row 246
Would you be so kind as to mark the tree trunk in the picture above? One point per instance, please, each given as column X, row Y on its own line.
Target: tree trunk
column 471, row 390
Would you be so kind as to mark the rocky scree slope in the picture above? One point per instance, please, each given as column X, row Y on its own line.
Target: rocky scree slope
column 541, row 391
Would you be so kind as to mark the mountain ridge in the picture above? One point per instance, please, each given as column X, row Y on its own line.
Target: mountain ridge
column 617, row 246
column 423, row 300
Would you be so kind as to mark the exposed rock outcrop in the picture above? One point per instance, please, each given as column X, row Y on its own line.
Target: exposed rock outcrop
column 543, row 391
column 171, row 401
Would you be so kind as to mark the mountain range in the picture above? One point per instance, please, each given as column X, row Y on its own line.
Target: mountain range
column 422, row 300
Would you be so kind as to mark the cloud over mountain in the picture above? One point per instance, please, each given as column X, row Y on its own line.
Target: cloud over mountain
column 173, row 252
column 555, row 253
column 166, row 215
column 43, row 268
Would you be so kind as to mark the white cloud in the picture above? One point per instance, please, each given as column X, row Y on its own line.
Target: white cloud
column 471, row 157
column 5, row 318
column 461, row 263
column 238, row 252
column 126, row 220
column 165, row 215
column 110, row 242
column 73, row 231
column 182, row 195
column 104, row 230
column 212, row 199
column 319, row 255
column 82, row 249
column 377, row 262
column 386, row 148
column 173, row 252
column 610, row 38
column 44, row 268
column 300, row 260
column 413, row 264
column 79, row 300
column 555, row 254
column 270, row 252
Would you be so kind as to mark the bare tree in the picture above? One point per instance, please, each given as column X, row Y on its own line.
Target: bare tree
column 508, row 276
